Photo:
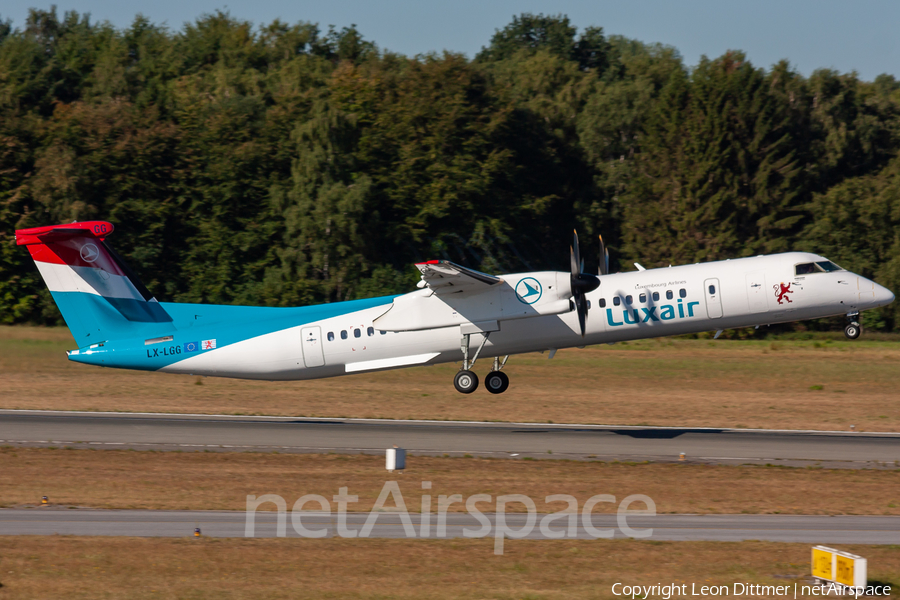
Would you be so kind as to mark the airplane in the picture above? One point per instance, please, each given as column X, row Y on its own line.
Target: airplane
column 457, row 314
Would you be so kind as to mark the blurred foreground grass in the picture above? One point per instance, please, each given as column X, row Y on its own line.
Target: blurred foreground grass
column 792, row 384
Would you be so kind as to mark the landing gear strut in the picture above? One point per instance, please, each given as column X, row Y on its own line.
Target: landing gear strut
column 466, row 381
column 853, row 329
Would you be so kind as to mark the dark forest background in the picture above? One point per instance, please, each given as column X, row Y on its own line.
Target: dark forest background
column 285, row 165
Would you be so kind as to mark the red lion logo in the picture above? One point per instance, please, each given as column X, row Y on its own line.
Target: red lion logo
column 781, row 292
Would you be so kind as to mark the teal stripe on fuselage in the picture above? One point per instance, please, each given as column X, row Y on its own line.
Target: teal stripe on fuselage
column 258, row 318
column 223, row 323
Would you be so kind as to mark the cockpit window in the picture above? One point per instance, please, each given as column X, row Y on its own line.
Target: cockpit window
column 828, row 266
column 825, row 266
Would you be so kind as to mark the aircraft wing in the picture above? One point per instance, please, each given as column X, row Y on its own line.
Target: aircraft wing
column 445, row 277
column 451, row 295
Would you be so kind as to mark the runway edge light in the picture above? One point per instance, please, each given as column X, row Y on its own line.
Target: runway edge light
column 839, row 567
column 395, row 459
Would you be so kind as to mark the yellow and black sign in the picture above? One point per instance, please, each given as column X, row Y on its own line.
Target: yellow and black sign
column 821, row 563
column 841, row 567
column 845, row 569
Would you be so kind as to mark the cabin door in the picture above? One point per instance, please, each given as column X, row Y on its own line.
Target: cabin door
column 713, row 298
column 312, row 346
column 756, row 292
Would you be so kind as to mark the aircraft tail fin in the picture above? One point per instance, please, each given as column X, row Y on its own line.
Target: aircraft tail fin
column 99, row 296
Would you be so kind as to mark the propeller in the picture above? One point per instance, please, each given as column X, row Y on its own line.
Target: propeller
column 603, row 268
column 581, row 282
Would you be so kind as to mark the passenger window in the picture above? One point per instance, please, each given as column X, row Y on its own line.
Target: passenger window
column 682, row 293
column 357, row 333
column 628, row 299
column 344, row 335
column 617, row 301
column 669, row 295
column 655, row 296
column 712, row 289
column 643, row 298
column 330, row 336
column 370, row 331
column 602, row 302
column 384, row 333
column 589, row 304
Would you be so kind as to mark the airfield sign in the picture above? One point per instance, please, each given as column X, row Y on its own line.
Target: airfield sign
column 840, row 567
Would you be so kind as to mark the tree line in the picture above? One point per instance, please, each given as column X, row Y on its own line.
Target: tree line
column 284, row 165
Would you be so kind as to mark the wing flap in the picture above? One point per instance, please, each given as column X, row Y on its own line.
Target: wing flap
column 443, row 277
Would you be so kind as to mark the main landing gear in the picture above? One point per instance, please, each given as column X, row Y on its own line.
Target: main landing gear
column 853, row 329
column 497, row 381
column 466, row 381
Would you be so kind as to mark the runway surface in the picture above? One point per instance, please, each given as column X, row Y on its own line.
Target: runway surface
column 148, row 523
column 512, row 440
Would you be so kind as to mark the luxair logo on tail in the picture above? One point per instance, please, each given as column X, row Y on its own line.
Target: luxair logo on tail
column 648, row 314
column 529, row 290
column 90, row 253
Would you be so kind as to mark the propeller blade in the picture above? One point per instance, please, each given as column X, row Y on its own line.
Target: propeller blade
column 581, row 282
column 581, row 306
column 603, row 269
column 575, row 255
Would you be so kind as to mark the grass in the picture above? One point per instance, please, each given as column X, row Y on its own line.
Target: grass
column 222, row 481
column 803, row 384
column 135, row 568
column 789, row 384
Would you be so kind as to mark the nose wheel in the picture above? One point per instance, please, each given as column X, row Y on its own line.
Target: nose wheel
column 853, row 330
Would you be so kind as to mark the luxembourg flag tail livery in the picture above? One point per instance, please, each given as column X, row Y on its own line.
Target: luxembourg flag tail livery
column 98, row 295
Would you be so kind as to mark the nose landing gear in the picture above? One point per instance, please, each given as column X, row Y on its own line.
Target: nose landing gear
column 853, row 329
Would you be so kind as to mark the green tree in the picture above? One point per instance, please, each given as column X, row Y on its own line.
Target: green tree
column 283, row 165
column 554, row 33
column 857, row 224
column 715, row 175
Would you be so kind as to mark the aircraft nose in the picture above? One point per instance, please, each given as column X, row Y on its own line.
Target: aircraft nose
column 883, row 296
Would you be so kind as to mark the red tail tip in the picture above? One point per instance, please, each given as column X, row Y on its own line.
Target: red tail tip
column 39, row 235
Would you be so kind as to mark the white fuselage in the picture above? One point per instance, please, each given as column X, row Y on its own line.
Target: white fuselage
column 720, row 295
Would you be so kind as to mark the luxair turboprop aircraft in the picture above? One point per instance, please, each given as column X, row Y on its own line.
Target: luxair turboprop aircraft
column 457, row 314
